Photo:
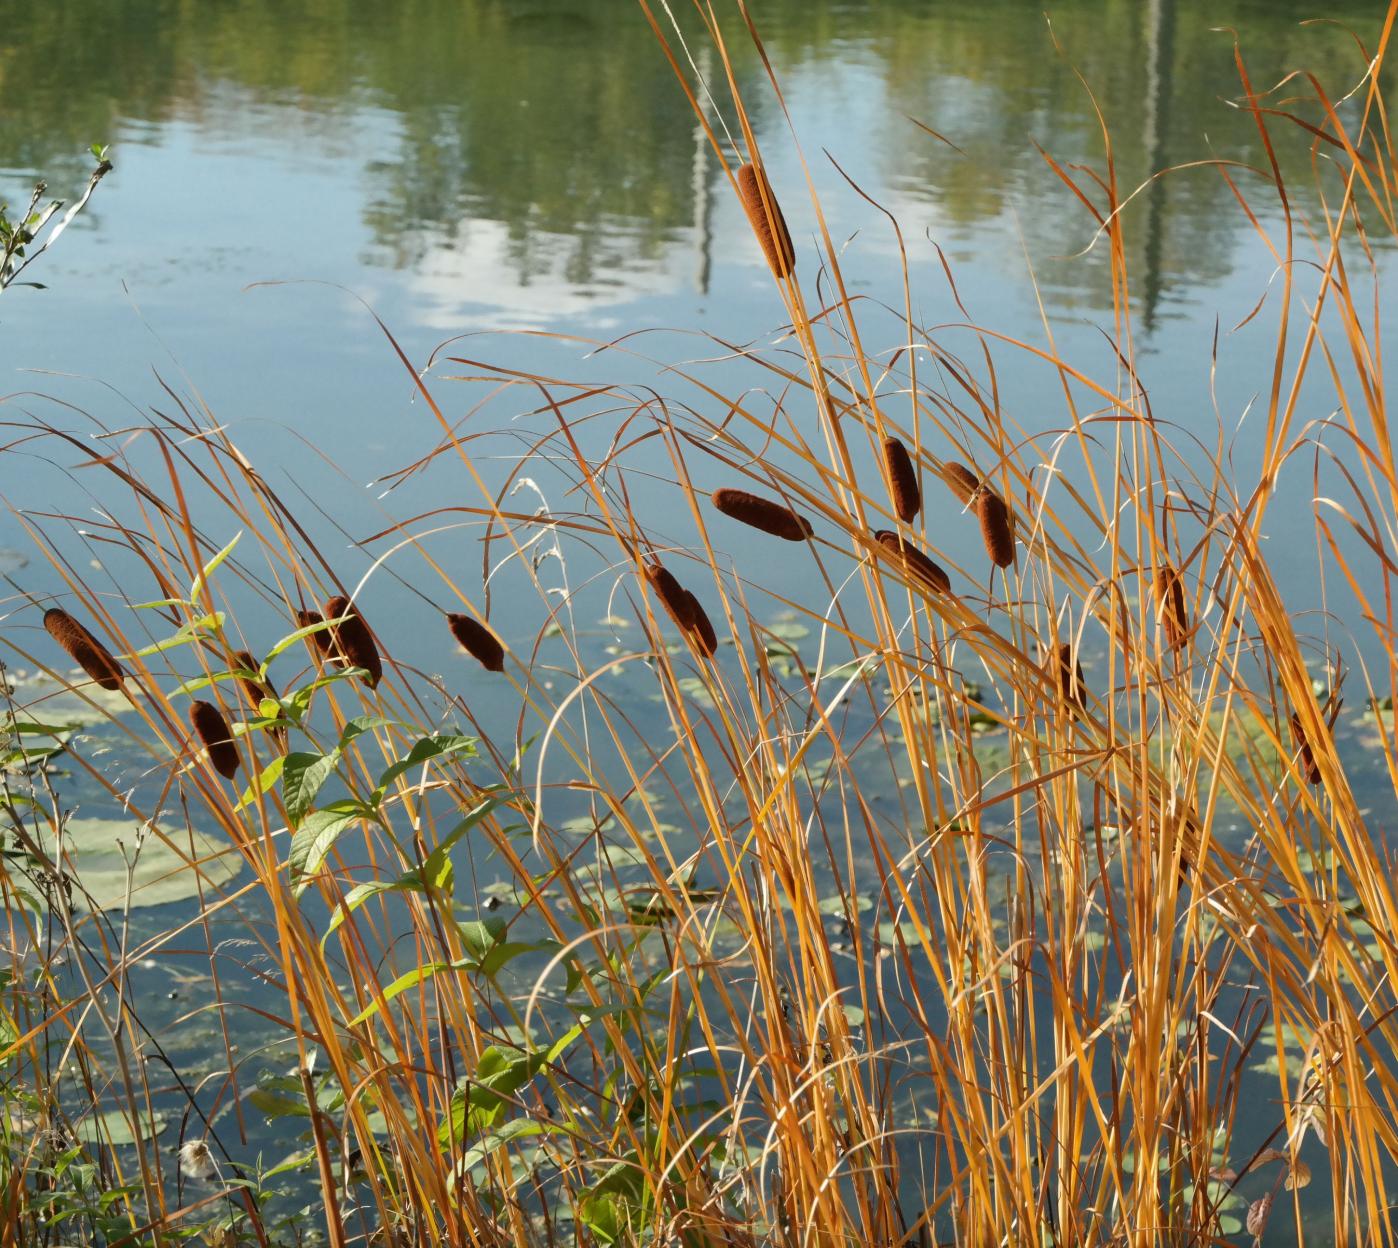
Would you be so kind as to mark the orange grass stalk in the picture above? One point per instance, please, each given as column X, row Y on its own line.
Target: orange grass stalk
column 1309, row 766
column 915, row 563
column 212, row 730
column 84, row 649
column 1174, row 618
column 961, row 480
column 478, row 641
column 764, row 514
column 997, row 528
column 902, row 480
column 766, row 219
column 353, row 639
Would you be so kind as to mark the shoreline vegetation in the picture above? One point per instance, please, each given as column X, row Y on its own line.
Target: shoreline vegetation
column 1026, row 899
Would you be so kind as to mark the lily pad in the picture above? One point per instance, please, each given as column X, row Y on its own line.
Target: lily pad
column 53, row 702
column 11, row 560
column 164, row 873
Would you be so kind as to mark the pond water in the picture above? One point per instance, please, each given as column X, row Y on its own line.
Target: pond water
column 470, row 166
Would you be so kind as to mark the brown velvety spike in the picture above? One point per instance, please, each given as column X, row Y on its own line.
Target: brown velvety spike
column 1066, row 673
column 766, row 219
column 917, row 565
column 84, row 649
column 212, row 730
column 321, row 644
column 255, row 689
column 1174, row 618
column 702, row 629
column 353, row 640
column 478, row 641
column 1308, row 764
column 762, row 513
column 673, row 596
column 997, row 529
column 963, row 482
column 902, row 480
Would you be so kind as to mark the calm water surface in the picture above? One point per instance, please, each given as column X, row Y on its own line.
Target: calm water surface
column 476, row 165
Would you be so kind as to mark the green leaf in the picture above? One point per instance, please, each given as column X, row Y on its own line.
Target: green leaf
column 437, row 864
column 515, row 1129
column 186, row 633
column 265, row 780
column 316, row 837
column 292, row 638
column 426, row 749
column 399, row 985
column 197, row 586
column 302, row 777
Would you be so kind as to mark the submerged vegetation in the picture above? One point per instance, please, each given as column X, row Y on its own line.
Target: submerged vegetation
column 1032, row 895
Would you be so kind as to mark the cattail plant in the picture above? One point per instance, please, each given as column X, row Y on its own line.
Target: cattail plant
column 212, row 730
column 960, row 480
column 701, row 629
column 1065, row 672
column 765, row 216
column 84, row 649
column 915, row 563
column 997, row 527
column 353, row 640
column 683, row 607
column 478, row 641
column 320, row 644
column 255, row 689
column 762, row 513
column 1174, row 618
column 902, row 480
column 1309, row 767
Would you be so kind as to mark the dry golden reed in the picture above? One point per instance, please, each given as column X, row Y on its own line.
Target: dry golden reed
column 961, row 480
column 478, row 641
column 212, row 730
column 1174, row 618
column 1309, row 767
column 84, row 649
column 766, row 218
column 997, row 528
column 763, row 513
column 902, row 480
column 353, row 639
column 915, row 563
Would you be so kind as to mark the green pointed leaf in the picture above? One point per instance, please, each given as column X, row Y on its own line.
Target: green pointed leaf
column 197, row 587
column 302, row 777
column 315, row 838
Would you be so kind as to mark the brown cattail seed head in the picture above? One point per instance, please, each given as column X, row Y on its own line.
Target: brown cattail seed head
column 902, row 480
column 997, row 530
column 963, row 482
column 917, row 565
column 701, row 631
column 478, row 641
column 353, row 640
column 320, row 644
column 1309, row 767
column 1174, row 619
column 1066, row 674
column 762, row 513
column 253, row 687
column 672, row 594
column 212, row 730
column 84, row 649
column 766, row 219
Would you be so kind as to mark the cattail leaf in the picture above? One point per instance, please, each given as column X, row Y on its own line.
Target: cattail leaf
column 197, row 585
column 408, row 979
column 303, row 774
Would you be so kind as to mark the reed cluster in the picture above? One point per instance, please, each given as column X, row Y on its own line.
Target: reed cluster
column 1043, row 900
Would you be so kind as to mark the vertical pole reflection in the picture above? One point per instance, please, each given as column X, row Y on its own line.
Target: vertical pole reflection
column 1160, row 43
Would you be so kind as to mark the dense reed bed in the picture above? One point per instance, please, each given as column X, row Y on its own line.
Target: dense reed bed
column 1030, row 899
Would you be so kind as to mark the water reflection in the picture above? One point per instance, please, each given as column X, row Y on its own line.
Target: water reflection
column 543, row 145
